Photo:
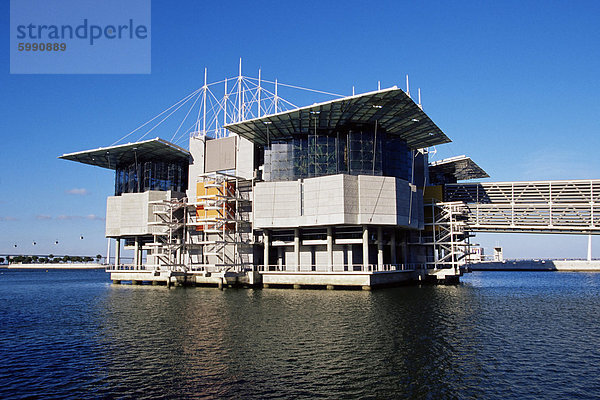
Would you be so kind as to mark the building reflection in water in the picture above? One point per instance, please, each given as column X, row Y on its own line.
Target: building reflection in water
column 266, row 343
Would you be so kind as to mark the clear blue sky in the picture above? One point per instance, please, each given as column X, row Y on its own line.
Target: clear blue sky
column 514, row 84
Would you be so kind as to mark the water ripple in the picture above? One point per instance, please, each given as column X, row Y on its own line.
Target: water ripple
column 498, row 335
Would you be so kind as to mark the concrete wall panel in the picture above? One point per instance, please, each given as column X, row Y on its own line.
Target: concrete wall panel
column 129, row 214
column 196, row 164
column 276, row 204
column 245, row 158
column 220, row 154
column 336, row 200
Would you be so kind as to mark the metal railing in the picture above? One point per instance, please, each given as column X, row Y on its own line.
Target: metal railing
column 343, row 268
column 125, row 267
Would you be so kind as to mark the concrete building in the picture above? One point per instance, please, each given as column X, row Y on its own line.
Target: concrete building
column 335, row 194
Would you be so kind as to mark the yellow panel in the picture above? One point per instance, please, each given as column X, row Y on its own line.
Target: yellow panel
column 433, row 193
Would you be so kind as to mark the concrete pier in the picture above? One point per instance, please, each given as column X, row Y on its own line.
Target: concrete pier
column 331, row 280
column 290, row 279
column 193, row 278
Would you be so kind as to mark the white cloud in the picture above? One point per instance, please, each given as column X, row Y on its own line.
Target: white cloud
column 8, row 219
column 77, row 191
column 91, row 217
column 42, row 217
column 63, row 217
column 94, row 217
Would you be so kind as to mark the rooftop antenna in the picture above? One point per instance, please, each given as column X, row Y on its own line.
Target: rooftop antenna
column 205, row 87
column 407, row 87
column 420, row 106
column 378, row 85
column 258, row 94
column 352, row 90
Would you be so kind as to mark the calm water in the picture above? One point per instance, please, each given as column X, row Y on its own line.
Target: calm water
column 497, row 335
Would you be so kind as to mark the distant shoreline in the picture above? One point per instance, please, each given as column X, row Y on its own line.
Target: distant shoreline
column 538, row 265
column 55, row 266
column 506, row 265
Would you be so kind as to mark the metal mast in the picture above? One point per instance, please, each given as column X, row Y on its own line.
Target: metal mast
column 240, row 93
column 258, row 93
column 205, row 87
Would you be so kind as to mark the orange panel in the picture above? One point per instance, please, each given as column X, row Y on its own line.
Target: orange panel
column 202, row 213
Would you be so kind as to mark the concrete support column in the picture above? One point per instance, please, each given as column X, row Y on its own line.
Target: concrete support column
column 108, row 251
column 380, row 248
column 117, row 252
column 266, row 249
column 141, row 255
column 365, row 244
column 297, row 248
column 393, row 247
column 280, row 255
column 330, row 248
column 136, row 252
column 350, row 257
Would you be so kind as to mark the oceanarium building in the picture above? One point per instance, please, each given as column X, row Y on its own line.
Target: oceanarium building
column 335, row 194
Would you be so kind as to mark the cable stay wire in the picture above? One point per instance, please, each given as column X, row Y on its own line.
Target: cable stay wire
column 297, row 87
column 147, row 122
column 184, row 135
column 156, row 126
column 186, row 115
column 244, row 98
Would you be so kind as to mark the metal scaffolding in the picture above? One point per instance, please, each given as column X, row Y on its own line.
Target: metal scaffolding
column 167, row 229
column 219, row 222
column 446, row 233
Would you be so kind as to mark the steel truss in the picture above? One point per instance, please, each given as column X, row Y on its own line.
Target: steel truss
column 537, row 206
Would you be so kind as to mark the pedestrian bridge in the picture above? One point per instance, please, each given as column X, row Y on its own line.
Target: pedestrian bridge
column 571, row 206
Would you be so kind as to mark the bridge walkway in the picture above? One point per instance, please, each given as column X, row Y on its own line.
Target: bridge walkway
column 570, row 206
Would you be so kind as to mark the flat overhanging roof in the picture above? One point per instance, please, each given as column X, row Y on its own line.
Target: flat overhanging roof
column 113, row 156
column 462, row 167
column 393, row 110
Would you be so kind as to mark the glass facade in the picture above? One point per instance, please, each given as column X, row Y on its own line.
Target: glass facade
column 151, row 175
column 355, row 152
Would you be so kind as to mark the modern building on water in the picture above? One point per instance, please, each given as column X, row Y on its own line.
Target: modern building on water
column 336, row 194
